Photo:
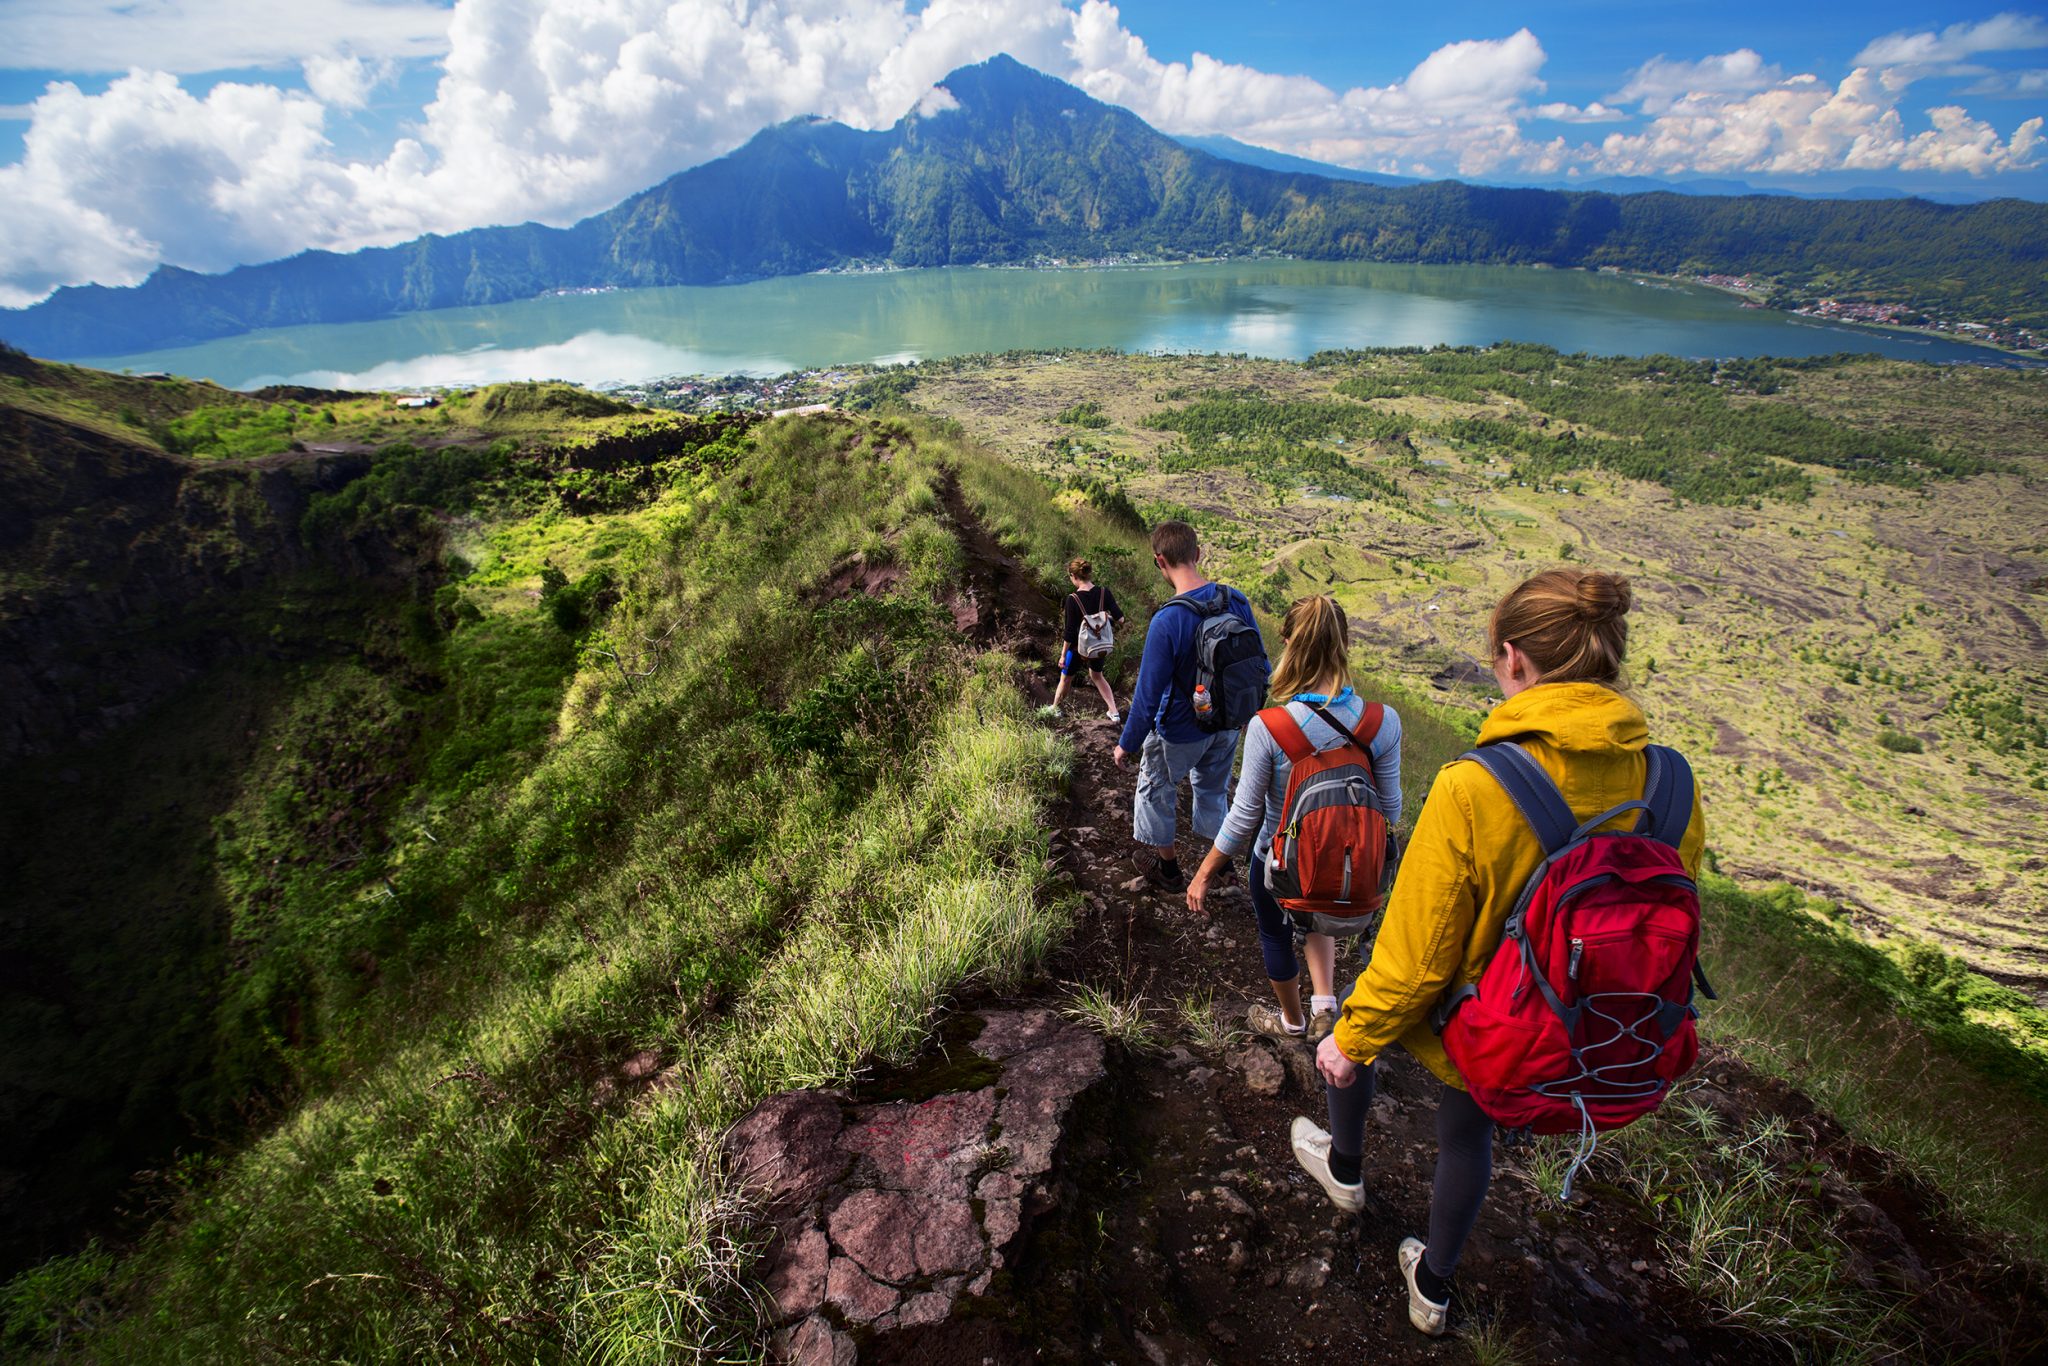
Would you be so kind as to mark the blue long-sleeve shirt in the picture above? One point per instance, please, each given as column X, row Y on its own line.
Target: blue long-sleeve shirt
column 1166, row 672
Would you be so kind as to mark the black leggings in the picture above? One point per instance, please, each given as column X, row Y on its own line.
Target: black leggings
column 1464, row 1160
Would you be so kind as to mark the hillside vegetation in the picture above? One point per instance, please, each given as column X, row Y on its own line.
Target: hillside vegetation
column 1829, row 553
column 1026, row 166
column 504, row 995
column 670, row 766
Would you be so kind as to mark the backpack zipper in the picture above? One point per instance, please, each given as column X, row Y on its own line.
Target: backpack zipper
column 1578, row 949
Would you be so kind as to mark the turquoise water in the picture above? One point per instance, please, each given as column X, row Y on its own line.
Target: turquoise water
column 1283, row 309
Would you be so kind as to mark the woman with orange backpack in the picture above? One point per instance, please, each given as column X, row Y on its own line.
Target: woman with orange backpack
column 1320, row 787
column 1564, row 779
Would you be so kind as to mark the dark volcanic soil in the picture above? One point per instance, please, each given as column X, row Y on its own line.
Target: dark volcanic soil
column 1185, row 1232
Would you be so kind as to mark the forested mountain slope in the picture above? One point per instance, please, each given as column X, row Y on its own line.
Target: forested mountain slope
column 1026, row 165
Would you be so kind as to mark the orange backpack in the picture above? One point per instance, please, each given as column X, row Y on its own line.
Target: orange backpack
column 1331, row 849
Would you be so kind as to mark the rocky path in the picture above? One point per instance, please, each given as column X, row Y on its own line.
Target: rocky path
column 1026, row 1193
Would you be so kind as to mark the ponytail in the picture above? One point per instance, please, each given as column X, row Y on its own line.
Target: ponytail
column 1317, row 648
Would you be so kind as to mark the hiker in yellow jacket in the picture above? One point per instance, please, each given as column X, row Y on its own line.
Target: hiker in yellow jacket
column 1557, row 640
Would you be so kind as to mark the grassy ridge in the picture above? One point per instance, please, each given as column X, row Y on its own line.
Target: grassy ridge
column 747, row 863
column 770, row 833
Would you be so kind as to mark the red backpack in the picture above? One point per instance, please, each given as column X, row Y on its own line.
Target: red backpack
column 1330, row 852
column 1583, row 1018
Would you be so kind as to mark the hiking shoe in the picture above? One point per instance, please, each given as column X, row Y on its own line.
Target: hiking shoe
column 1263, row 1019
column 1425, row 1313
column 1155, row 871
column 1116, row 717
column 1048, row 712
column 1312, row 1151
column 1320, row 1026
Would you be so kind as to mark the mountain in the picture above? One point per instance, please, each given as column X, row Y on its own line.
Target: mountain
column 1230, row 149
column 1024, row 165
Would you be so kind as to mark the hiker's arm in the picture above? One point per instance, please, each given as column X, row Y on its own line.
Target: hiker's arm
column 1155, row 676
column 1429, row 921
column 1109, row 605
column 1247, row 810
column 1073, row 621
column 1694, row 844
column 1386, row 767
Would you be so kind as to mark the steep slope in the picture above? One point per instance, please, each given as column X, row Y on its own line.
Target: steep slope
column 715, row 778
column 1023, row 164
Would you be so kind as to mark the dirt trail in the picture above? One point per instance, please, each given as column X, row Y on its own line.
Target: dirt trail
column 1185, row 1233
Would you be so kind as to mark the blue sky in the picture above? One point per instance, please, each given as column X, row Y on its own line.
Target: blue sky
column 210, row 132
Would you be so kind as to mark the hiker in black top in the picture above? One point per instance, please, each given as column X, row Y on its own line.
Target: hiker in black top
column 1088, row 599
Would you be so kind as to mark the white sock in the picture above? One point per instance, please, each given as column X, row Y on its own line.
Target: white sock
column 1318, row 1004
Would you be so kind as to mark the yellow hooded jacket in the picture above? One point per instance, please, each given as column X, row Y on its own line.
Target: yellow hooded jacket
column 1472, row 851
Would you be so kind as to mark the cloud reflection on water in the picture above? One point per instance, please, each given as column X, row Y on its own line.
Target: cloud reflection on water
column 590, row 358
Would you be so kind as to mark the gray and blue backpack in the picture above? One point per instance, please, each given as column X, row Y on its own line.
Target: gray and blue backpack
column 1231, row 669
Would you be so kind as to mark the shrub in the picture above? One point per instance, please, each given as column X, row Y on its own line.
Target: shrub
column 1900, row 744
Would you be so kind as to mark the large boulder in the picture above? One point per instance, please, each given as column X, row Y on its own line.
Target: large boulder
column 887, row 1214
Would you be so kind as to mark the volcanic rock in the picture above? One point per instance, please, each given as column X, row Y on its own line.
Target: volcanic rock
column 887, row 1214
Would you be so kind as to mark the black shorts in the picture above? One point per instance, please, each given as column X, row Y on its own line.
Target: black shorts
column 1069, row 661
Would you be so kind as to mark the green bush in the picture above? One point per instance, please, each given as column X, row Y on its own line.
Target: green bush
column 1900, row 744
column 527, row 398
column 1110, row 500
column 240, row 431
column 882, row 390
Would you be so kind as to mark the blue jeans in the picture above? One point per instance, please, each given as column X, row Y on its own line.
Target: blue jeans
column 1204, row 763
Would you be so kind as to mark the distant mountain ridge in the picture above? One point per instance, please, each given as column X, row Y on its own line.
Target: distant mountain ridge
column 1026, row 165
column 1230, row 149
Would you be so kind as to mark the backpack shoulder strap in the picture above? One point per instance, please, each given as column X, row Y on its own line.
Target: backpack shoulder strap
column 1667, row 792
column 1280, row 724
column 1198, row 606
column 1368, row 725
column 1531, row 790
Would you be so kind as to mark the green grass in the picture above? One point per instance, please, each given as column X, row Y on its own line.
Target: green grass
column 1737, row 1209
column 1120, row 1019
column 745, row 838
column 771, row 856
column 1202, row 1026
column 1741, row 1233
column 1920, row 1061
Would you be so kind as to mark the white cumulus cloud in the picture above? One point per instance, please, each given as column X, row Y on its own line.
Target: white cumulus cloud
column 190, row 36
column 1659, row 83
column 549, row 110
column 1458, row 108
column 1957, row 42
column 346, row 82
column 1802, row 126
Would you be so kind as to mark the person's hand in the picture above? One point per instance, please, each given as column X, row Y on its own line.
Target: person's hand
column 1118, row 755
column 1198, row 891
column 1337, row 1069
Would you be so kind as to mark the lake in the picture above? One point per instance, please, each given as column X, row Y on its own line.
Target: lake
column 1280, row 309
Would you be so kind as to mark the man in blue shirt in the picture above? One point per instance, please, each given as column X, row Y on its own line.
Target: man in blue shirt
column 1160, row 723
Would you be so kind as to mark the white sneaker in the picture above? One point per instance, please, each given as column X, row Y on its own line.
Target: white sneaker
column 1424, row 1312
column 1312, row 1151
column 1115, row 717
